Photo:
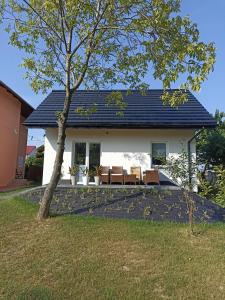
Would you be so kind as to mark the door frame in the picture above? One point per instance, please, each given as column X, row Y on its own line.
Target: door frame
column 87, row 142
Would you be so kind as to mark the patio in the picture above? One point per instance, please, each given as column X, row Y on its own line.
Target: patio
column 118, row 176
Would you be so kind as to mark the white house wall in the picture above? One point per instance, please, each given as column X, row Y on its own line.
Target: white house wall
column 118, row 147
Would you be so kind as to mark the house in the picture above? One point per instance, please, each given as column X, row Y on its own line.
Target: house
column 148, row 129
column 30, row 151
column 13, row 135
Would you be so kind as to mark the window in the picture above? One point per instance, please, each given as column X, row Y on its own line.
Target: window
column 158, row 153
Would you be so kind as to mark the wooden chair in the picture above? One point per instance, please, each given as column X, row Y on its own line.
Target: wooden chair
column 130, row 178
column 151, row 176
column 105, row 175
column 136, row 171
column 134, row 176
column 116, row 175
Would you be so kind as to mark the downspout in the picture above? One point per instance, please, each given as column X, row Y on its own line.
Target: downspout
column 189, row 154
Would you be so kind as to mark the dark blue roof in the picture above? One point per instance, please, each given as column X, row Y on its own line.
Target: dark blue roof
column 145, row 111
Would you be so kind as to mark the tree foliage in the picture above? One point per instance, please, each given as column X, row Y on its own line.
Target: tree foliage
column 108, row 42
column 214, row 189
column 220, row 185
column 37, row 159
column 101, row 43
column 211, row 153
column 179, row 168
column 211, row 144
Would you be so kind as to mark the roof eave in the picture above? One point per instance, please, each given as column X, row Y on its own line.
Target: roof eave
column 125, row 126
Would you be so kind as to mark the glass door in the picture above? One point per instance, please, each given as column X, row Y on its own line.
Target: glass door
column 80, row 158
column 87, row 155
column 94, row 157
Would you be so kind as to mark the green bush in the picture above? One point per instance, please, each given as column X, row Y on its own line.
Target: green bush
column 214, row 190
column 37, row 159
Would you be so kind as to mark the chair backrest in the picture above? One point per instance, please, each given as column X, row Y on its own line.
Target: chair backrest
column 117, row 170
column 136, row 171
column 105, row 170
column 153, row 175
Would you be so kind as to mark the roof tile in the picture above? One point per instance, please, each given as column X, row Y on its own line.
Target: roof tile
column 146, row 111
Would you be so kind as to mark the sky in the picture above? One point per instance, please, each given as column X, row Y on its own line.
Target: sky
column 208, row 14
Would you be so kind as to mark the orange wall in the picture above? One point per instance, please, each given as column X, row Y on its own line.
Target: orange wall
column 13, row 136
column 21, row 154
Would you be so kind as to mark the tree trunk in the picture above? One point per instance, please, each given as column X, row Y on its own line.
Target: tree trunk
column 62, row 119
column 43, row 212
column 191, row 209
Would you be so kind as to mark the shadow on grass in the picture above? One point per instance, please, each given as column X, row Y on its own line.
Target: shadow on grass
column 36, row 293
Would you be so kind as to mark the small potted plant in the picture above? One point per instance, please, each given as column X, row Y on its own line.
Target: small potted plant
column 97, row 174
column 85, row 176
column 73, row 171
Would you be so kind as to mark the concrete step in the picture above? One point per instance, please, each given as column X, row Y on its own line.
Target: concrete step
column 19, row 182
column 15, row 184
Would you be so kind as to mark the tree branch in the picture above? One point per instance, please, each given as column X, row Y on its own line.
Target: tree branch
column 62, row 23
column 39, row 15
column 99, row 18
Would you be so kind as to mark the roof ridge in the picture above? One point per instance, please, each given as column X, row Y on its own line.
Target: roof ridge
column 122, row 90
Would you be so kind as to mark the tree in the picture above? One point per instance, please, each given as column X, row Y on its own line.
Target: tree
column 215, row 188
column 37, row 159
column 100, row 43
column 211, row 144
column 211, row 153
column 178, row 168
column 220, row 185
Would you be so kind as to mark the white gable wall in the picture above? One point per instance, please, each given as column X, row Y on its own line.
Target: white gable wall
column 118, row 147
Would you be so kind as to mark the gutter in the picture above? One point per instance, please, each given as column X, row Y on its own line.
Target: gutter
column 189, row 154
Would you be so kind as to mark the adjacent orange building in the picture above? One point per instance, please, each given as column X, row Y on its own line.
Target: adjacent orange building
column 13, row 135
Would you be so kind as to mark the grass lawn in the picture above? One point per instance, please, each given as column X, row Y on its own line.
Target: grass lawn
column 14, row 192
column 94, row 258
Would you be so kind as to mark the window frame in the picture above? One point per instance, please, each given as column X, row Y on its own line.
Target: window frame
column 151, row 153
